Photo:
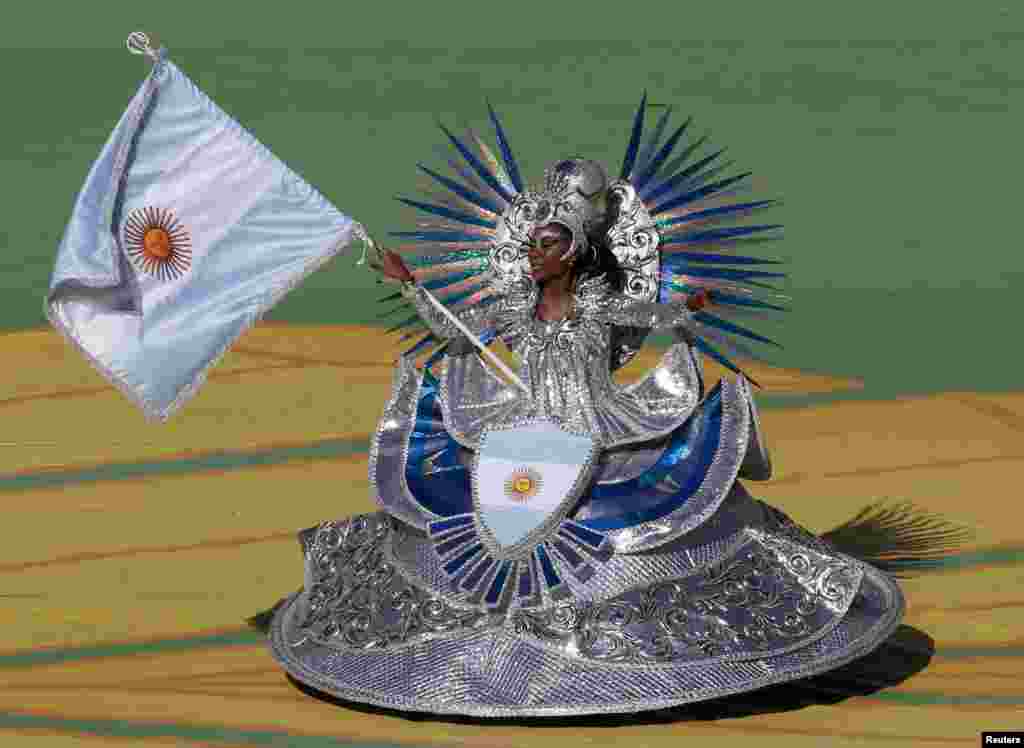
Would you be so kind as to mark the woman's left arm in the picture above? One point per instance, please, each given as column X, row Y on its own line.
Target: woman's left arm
column 621, row 310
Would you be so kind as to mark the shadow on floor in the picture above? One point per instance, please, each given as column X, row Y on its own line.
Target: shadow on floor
column 900, row 539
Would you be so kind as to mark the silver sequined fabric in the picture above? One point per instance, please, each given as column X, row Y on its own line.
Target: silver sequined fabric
column 755, row 600
column 567, row 366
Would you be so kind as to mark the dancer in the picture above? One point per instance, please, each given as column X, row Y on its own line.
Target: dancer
column 556, row 542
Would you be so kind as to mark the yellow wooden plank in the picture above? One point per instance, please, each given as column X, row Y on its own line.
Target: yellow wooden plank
column 176, row 512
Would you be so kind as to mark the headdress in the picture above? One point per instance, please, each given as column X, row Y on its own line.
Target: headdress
column 472, row 249
column 572, row 196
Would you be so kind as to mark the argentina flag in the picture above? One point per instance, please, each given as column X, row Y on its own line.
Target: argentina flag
column 186, row 232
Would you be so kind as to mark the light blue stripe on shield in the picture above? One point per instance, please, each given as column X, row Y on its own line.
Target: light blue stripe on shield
column 532, row 445
column 512, row 524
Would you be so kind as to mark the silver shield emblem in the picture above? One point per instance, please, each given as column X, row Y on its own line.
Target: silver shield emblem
column 526, row 480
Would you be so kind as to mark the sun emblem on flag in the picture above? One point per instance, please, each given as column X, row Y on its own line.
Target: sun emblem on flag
column 523, row 484
column 157, row 242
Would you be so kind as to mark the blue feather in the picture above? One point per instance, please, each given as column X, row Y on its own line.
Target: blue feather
column 712, row 212
column 680, row 178
column 506, row 151
column 441, row 237
column 391, row 311
column 717, row 234
column 404, row 323
column 460, row 256
column 634, row 139
column 479, row 168
column 719, row 298
column 652, row 168
column 482, row 304
column 679, row 161
column 466, row 194
column 728, row 273
column 644, row 157
column 709, row 319
column 681, row 258
column 449, row 279
column 420, row 344
column 699, row 180
column 697, row 194
column 436, row 355
column 705, row 347
column 455, row 215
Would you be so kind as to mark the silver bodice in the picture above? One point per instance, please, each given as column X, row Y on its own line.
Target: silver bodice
column 567, row 366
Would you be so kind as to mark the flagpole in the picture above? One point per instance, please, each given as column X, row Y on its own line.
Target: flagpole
column 370, row 244
column 473, row 339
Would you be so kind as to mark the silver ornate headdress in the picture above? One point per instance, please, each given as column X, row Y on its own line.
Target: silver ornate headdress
column 572, row 196
column 667, row 213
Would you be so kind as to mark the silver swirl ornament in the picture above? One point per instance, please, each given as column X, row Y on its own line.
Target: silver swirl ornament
column 634, row 240
column 570, row 196
column 138, row 44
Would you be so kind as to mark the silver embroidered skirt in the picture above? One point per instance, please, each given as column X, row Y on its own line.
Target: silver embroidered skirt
column 665, row 583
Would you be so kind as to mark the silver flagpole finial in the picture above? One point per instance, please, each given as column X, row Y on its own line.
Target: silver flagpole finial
column 368, row 244
column 138, row 44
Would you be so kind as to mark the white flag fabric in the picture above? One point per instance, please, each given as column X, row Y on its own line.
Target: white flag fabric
column 186, row 232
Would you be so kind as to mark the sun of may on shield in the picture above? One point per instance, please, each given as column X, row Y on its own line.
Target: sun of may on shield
column 526, row 475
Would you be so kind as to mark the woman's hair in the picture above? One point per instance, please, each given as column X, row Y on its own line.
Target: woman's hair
column 599, row 260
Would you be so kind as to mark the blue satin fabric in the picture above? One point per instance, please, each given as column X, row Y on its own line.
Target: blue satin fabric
column 445, row 489
column 665, row 486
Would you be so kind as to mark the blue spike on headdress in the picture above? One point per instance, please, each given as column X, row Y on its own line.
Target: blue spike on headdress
column 717, row 234
column 705, row 347
column 679, row 178
column 699, row 180
column 757, row 284
column 506, row 151
column 451, row 301
column 463, row 255
column 723, row 210
column 644, row 156
column 717, row 259
column 449, row 280
column 441, row 237
column 416, row 330
column 697, row 194
column 455, row 215
column 652, row 168
column 392, row 310
column 436, row 355
column 679, row 161
column 720, row 298
column 728, row 273
column 420, row 344
column 634, row 139
column 732, row 345
column 404, row 323
column 479, row 168
column 706, row 318
column 466, row 194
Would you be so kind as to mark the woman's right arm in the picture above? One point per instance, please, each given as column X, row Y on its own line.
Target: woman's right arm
column 475, row 318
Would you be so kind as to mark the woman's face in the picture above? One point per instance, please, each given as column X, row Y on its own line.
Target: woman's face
column 550, row 243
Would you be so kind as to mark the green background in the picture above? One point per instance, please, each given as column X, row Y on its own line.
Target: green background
column 892, row 134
